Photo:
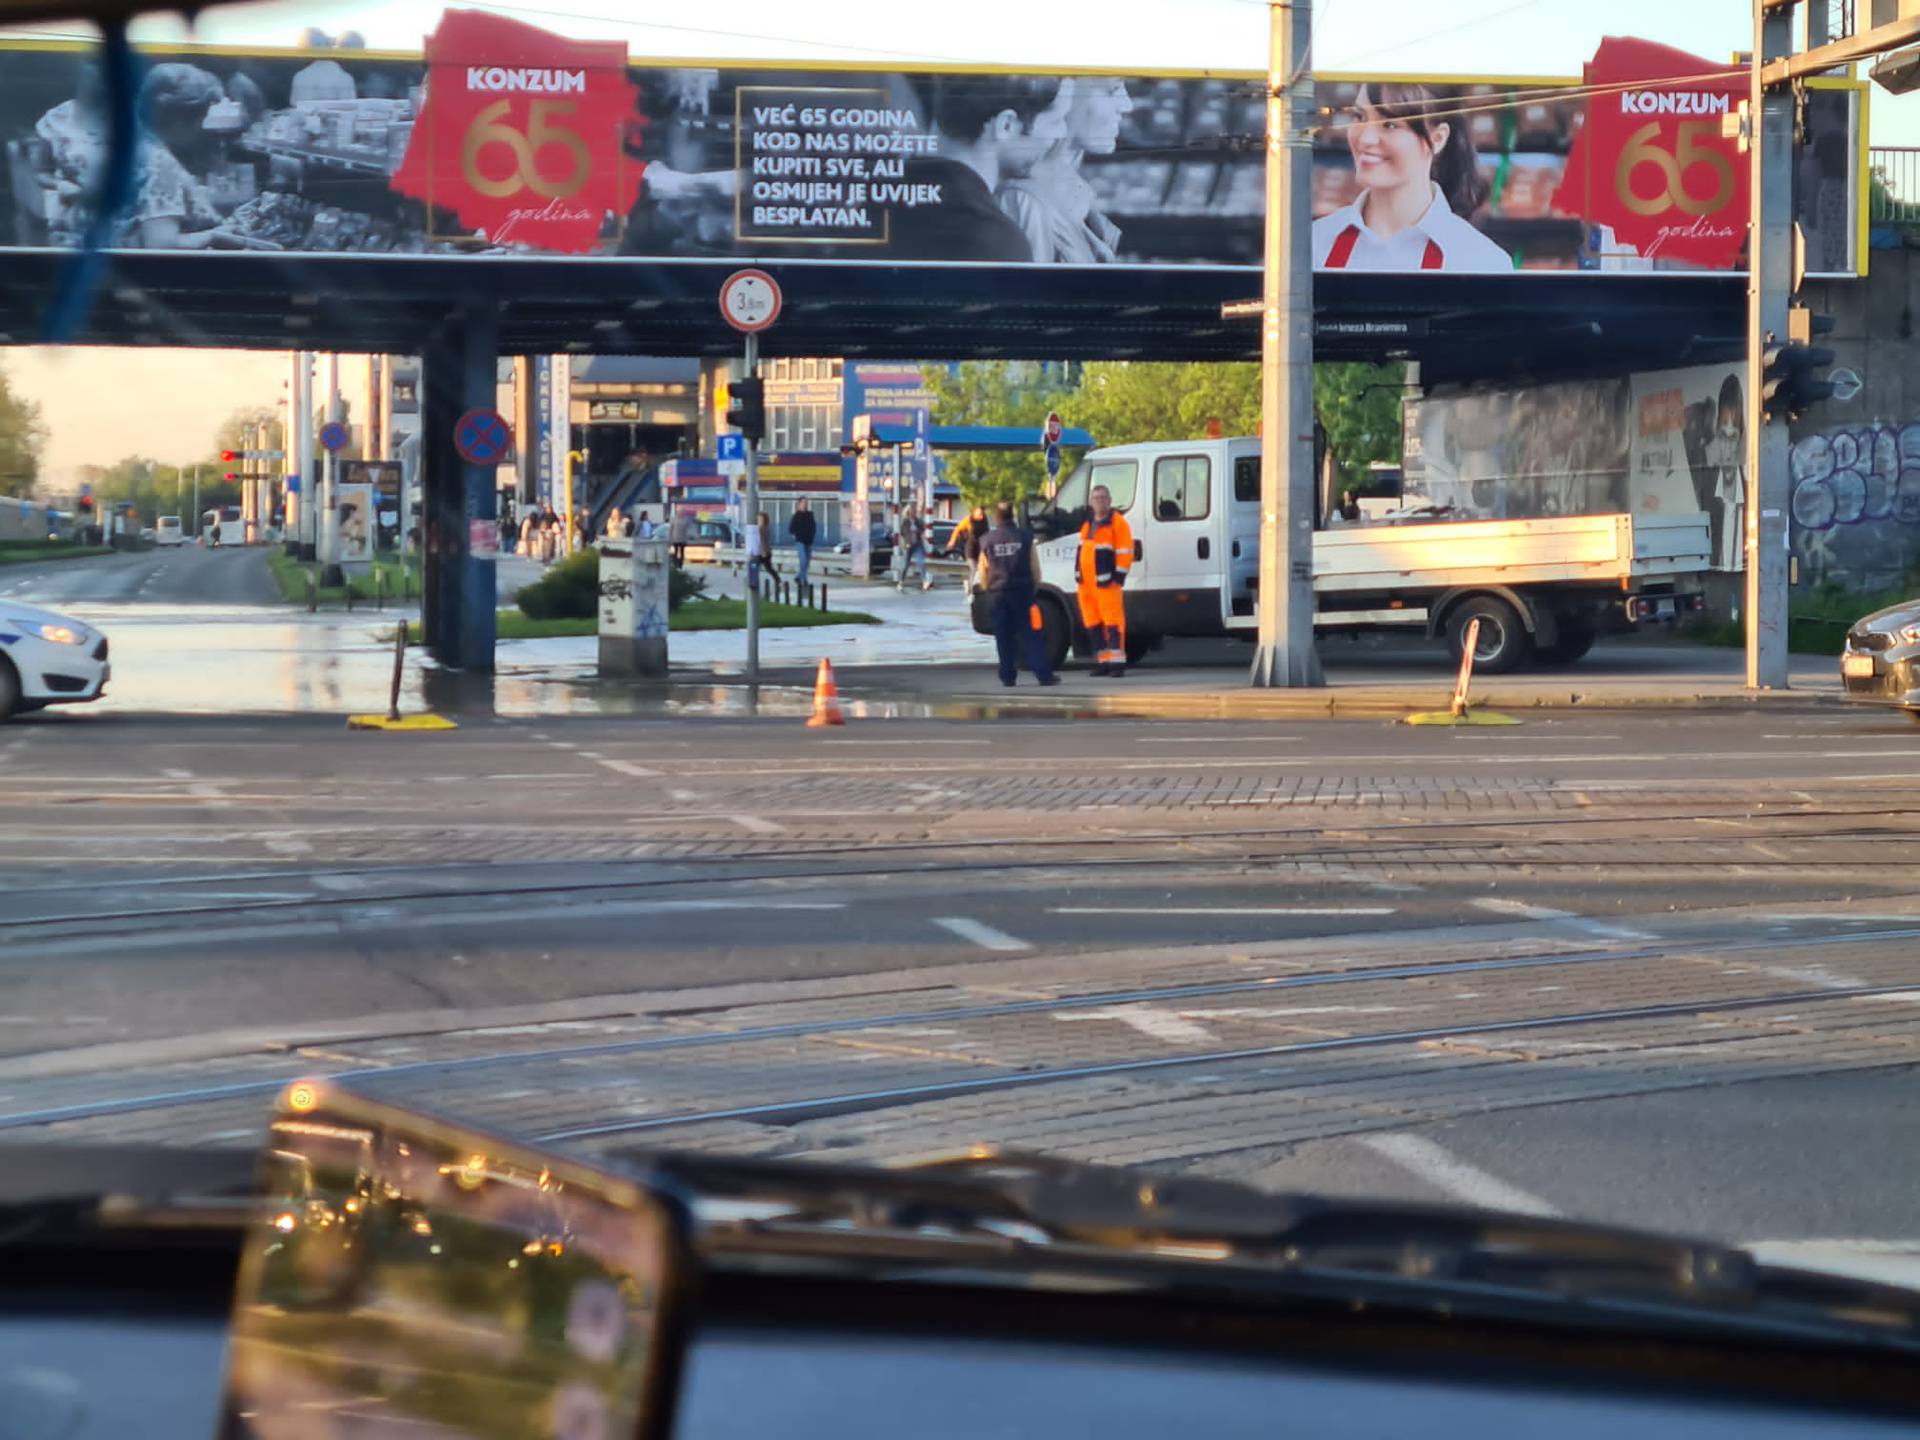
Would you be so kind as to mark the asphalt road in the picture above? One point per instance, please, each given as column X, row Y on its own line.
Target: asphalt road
column 1637, row 966
column 171, row 575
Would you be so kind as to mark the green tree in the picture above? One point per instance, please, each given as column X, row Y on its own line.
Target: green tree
column 1359, row 408
column 1121, row 402
column 996, row 392
column 22, row 436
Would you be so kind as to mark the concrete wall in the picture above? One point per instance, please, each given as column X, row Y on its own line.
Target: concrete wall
column 1856, row 463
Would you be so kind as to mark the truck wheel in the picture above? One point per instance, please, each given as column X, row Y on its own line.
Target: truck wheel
column 1139, row 642
column 1574, row 642
column 1056, row 634
column 1504, row 643
column 9, row 690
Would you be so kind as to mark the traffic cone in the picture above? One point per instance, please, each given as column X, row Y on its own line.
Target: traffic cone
column 826, row 699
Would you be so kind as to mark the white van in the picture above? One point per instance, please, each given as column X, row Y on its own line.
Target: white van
column 167, row 530
column 1543, row 587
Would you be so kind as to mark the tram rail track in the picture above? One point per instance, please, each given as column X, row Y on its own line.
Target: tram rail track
column 417, row 1073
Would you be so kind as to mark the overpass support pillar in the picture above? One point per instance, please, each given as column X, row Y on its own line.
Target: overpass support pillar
column 457, row 597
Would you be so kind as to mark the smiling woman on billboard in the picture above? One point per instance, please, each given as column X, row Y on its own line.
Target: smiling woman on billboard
column 1420, row 182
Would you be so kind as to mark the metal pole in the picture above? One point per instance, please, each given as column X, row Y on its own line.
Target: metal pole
column 1769, row 292
column 196, row 502
column 753, row 519
column 301, row 435
column 329, row 516
column 1285, row 656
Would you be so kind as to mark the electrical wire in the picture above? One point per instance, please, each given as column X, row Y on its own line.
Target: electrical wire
column 1509, row 99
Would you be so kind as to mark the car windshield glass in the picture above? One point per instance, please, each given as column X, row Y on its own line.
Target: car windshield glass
column 415, row 670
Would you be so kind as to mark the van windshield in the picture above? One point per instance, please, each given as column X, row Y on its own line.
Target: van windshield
column 1069, row 508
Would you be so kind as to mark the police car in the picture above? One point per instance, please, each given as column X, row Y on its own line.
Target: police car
column 47, row 659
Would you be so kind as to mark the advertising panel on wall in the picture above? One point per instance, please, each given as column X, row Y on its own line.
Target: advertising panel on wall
column 503, row 139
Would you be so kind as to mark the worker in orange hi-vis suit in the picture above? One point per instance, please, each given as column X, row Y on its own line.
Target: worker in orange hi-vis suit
column 1106, row 555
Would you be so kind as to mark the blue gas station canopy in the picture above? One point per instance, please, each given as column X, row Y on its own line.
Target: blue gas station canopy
column 980, row 437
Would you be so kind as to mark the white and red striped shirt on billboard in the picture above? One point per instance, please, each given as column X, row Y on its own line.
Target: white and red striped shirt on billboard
column 1438, row 240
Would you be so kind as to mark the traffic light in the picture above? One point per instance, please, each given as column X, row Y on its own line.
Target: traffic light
column 229, row 456
column 1788, row 384
column 86, row 504
column 231, row 476
column 747, row 411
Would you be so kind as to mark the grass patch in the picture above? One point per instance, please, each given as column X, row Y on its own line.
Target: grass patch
column 1817, row 623
column 694, row 615
column 25, row 552
column 398, row 580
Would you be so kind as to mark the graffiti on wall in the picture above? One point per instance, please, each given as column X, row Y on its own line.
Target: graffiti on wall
column 1856, row 493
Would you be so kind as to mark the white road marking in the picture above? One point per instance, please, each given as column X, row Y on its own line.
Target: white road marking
column 628, row 767
column 1564, row 918
column 178, row 774
column 287, row 845
column 985, row 936
column 757, row 825
column 683, row 795
column 341, row 882
column 385, row 917
column 1224, row 910
column 1167, row 1025
column 1452, row 1176
column 1520, row 907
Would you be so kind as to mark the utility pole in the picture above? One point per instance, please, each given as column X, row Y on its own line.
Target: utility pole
column 752, row 518
column 301, row 451
column 1770, row 282
column 196, row 502
column 329, row 513
column 1285, row 657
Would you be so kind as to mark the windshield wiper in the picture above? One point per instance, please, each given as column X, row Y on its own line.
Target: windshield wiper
column 1012, row 1210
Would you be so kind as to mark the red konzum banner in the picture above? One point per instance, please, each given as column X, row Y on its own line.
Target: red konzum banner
column 1650, row 169
column 522, row 135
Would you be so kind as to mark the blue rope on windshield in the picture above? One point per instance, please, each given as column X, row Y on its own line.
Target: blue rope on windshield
column 78, row 281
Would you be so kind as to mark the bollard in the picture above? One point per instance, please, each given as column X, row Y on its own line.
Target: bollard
column 399, row 664
column 379, row 588
column 823, row 597
column 349, row 593
column 313, row 593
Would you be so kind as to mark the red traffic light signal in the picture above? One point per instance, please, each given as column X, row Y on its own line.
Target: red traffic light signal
column 232, row 476
column 86, row 502
column 230, row 456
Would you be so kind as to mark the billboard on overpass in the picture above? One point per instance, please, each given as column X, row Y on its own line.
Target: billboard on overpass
column 503, row 139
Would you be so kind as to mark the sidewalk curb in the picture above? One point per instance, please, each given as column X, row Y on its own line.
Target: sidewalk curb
column 1327, row 704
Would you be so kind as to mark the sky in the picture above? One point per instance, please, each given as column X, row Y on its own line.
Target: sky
column 169, row 404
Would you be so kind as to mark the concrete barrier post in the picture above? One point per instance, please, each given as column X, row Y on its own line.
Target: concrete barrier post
column 633, row 607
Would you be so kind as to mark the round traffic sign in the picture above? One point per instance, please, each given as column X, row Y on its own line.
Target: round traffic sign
column 482, row 437
column 750, row 300
column 334, row 436
column 1053, row 428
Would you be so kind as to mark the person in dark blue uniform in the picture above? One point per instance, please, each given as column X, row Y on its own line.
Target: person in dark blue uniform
column 1009, row 573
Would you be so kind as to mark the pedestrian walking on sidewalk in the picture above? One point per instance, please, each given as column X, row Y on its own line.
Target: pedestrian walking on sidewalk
column 910, row 541
column 679, row 536
column 1106, row 555
column 803, row 529
column 759, row 548
column 1009, row 571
